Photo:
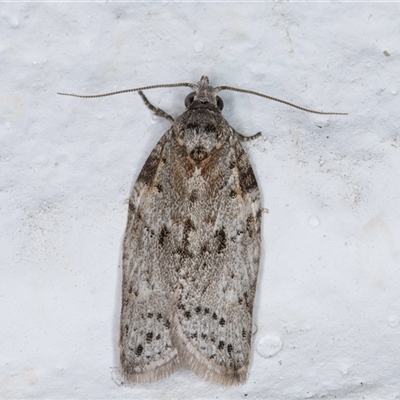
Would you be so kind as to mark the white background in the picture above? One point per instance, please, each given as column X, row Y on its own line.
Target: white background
column 329, row 285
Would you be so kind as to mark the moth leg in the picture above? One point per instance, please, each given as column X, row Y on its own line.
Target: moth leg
column 246, row 138
column 157, row 111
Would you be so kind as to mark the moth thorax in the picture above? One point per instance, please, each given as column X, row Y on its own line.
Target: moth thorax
column 199, row 153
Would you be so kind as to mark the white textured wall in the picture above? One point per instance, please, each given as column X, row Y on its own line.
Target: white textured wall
column 330, row 277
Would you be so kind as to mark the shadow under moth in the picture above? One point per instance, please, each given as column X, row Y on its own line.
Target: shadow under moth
column 192, row 246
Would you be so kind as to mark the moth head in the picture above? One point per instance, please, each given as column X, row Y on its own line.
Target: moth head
column 204, row 96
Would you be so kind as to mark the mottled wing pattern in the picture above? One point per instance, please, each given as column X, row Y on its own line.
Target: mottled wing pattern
column 191, row 255
column 146, row 351
column 215, row 294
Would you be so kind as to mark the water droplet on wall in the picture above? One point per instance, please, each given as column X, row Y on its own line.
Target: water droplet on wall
column 393, row 321
column 269, row 345
column 198, row 47
column 313, row 221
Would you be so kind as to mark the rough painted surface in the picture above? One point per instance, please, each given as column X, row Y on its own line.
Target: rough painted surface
column 327, row 315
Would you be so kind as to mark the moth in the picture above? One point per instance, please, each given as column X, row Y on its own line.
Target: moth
column 192, row 247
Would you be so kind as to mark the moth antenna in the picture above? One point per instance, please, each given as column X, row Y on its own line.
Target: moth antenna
column 219, row 88
column 166, row 85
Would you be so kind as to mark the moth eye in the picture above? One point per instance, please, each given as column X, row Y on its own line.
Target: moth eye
column 189, row 99
column 220, row 103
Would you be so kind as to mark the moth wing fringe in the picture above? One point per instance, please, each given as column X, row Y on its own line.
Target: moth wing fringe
column 204, row 367
column 148, row 376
